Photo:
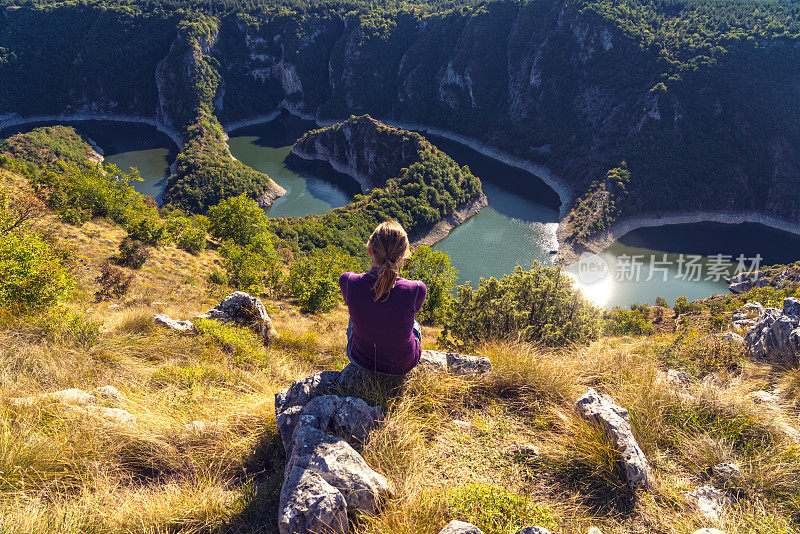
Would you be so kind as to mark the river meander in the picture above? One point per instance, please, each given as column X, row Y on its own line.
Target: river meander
column 516, row 228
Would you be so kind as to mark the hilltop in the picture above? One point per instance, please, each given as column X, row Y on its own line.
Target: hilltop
column 187, row 441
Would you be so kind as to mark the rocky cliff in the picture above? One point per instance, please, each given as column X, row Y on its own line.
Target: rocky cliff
column 569, row 84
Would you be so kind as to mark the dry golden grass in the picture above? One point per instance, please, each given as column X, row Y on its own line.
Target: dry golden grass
column 504, row 450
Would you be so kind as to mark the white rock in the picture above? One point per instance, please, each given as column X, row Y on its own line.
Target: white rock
column 173, row 324
column 594, row 530
column 117, row 415
column 460, row 527
column 614, row 421
column 533, row 530
column 243, row 309
column 710, row 501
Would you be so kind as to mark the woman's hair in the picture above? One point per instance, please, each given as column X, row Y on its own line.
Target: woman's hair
column 389, row 244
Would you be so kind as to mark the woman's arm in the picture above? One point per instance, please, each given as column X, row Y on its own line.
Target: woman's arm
column 420, row 296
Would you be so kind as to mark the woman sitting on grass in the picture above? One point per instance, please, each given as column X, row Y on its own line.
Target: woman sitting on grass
column 383, row 335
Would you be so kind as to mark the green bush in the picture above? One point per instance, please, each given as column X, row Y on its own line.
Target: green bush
column 188, row 233
column 433, row 268
column 32, row 273
column 495, row 510
column 314, row 280
column 148, row 228
column 634, row 322
column 254, row 268
column 239, row 219
column 540, row 305
column 682, row 305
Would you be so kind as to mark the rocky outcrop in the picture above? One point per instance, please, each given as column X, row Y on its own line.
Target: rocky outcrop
column 243, row 309
column 325, row 476
column 775, row 337
column 613, row 420
column 362, row 147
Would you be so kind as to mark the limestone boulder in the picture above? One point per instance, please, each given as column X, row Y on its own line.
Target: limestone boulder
column 243, row 309
column 711, row 502
column 340, row 466
column 615, row 423
column 309, row 504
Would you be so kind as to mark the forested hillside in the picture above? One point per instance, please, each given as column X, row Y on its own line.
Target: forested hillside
column 699, row 99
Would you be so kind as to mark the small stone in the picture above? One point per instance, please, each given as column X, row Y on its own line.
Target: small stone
column 460, row 527
column 594, row 530
column 463, row 426
column 677, row 379
column 730, row 338
column 710, row 501
column 752, row 308
column 765, row 398
column 727, row 471
column 433, row 360
column 110, row 394
column 173, row 324
column 614, row 421
column 533, row 530
column 523, row 449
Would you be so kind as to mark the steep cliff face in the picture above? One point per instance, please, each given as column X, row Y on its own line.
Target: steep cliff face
column 559, row 82
column 362, row 147
column 403, row 177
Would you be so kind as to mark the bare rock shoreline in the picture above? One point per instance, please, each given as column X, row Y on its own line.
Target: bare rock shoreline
column 569, row 253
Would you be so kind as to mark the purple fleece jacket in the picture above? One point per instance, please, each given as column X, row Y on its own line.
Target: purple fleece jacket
column 382, row 338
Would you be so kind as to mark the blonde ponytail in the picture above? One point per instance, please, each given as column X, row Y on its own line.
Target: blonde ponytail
column 389, row 245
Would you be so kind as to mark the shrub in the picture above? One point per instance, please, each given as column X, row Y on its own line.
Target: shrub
column 132, row 253
column 433, row 268
column 314, row 280
column 192, row 240
column 114, row 282
column 682, row 305
column 662, row 302
column 188, row 233
column 255, row 268
column 540, row 305
column 238, row 219
column 148, row 228
column 219, row 277
column 636, row 322
column 32, row 273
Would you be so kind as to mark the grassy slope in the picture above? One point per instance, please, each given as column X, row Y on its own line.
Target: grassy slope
column 69, row 473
